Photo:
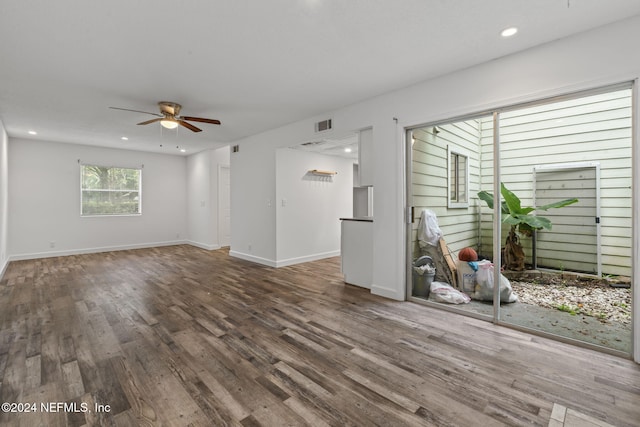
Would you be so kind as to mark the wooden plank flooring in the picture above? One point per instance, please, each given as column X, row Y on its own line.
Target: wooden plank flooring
column 179, row 336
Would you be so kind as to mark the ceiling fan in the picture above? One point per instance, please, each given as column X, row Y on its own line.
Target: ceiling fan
column 169, row 117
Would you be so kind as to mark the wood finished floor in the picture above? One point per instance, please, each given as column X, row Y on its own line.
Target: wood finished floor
column 183, row 336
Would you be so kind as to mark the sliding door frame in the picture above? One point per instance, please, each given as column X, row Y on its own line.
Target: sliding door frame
column 497, row 220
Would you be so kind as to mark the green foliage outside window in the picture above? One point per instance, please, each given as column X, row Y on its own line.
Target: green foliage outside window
column 110, row 190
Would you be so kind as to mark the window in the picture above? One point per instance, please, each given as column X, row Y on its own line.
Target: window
column 458, row 179
column 110, row 190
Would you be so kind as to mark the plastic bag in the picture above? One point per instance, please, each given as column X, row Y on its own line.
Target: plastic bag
column 484, row 285
column 443, row 292
column 429, row 232
column 426, row 268
column 484, row 282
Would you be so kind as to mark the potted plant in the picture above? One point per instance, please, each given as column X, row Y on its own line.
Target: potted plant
column 522, row 222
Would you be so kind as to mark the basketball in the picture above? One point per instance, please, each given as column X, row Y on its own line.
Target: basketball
column 467, row 254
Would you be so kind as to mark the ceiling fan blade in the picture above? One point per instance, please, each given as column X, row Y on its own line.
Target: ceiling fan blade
column 189, row 126
column 199, row 119
column 150, row 121
column 136, row 111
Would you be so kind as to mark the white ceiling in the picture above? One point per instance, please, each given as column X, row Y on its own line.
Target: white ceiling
column 253, row 64
column 345, row 146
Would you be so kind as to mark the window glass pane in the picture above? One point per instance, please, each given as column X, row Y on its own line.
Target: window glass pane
column 572, row 147
column 110, row 190
column 458, row 165
column 454, row 175
column 462, row 179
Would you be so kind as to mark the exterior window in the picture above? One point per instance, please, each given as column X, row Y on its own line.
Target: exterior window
column 458, row 179
column 110, row 190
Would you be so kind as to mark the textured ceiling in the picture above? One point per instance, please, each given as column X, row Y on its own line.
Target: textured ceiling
column 253, row 64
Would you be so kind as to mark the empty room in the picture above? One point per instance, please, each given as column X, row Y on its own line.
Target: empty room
column 255, row 213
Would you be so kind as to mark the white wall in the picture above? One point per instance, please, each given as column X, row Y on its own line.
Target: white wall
column 199, row 200
column 587, row 60
column 44, row 201
column 253, row 194
column 308, row 207
column 202, row 198
column 4, row 195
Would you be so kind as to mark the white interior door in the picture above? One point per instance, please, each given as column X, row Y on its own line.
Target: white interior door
column 224, row 205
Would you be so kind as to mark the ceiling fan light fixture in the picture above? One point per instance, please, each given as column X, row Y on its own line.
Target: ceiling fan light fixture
column 169, row 118
column 169, row 123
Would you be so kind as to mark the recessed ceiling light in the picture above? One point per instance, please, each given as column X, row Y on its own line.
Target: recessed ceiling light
column 33, row 132
column 182, row 150
column 508, row 32
column 347, row 150
column 124, row 138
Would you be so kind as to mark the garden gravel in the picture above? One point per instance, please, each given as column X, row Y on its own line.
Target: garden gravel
column 590, row 298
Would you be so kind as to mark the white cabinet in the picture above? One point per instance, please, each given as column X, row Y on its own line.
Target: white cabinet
column 357, row 252
column 365, row 157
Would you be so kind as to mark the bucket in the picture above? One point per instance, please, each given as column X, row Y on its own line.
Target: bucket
column 422, row 279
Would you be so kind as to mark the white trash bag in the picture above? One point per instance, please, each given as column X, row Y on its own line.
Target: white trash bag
column 484, row 284
column 444, row 292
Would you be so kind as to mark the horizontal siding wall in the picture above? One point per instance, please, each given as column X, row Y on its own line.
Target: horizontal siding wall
column 595, row 128
column 429, row 181
column 486, row 184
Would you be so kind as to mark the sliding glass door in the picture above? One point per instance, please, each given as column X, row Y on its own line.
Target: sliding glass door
column 554, row 252
column 445, row 164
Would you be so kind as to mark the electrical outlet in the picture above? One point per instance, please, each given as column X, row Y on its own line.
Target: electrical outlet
column 52, row 244
column 249, row 247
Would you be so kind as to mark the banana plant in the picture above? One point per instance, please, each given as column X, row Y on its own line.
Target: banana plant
column 521, row 220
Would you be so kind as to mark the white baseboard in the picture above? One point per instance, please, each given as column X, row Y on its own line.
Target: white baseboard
column 282, row 263
column 252, row 258
column 52, row 254
column 203, row 245
column 307, row 258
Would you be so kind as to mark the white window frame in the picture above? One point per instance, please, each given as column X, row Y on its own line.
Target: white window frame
column 138, row 190
column 456, row 203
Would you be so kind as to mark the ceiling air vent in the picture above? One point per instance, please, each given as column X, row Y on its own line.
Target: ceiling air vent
column 323, row 126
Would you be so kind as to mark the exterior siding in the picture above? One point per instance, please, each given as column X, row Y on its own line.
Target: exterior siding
column 430, row 186
column 596, row 128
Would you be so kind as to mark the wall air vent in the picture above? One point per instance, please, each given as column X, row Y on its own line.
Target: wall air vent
column 323, row 126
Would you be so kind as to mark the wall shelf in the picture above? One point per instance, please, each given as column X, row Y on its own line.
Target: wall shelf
column 322, row 173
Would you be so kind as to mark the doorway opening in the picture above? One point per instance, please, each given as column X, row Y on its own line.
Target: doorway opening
column 224, row 205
